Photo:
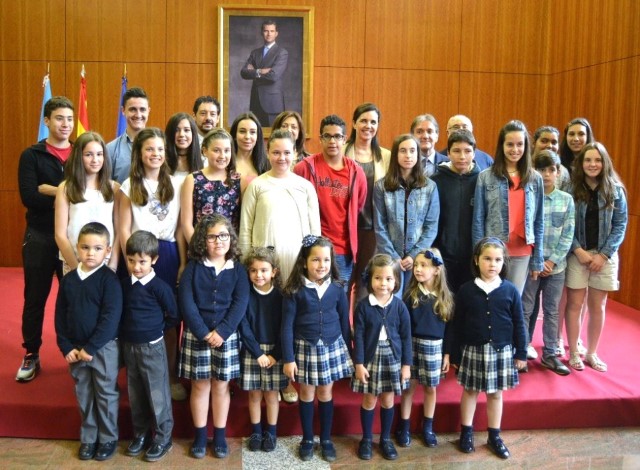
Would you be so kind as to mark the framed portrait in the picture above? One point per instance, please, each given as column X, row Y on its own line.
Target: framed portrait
column 265, row 62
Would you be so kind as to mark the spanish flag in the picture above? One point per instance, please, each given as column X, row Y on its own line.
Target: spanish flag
column 83, row 116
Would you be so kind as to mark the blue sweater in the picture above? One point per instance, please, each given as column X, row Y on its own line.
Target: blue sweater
column 368, row 320
column 213, row 302
column 306, row 316
column 88, row 312
column 261, row 324
column 494, row 318
column 148, row 310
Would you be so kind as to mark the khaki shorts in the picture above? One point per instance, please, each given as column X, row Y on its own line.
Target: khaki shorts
column 579, row 277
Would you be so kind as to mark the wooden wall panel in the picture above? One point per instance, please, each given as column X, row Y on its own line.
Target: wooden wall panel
column 431, row 92
column 588, row 32
column 406, row 34
column 12, row 213
column 192, row 31
column 21, row 84
column 492, row 99
column 629, row 256
column 185, row 82
column 504, row 36
column 32, row 30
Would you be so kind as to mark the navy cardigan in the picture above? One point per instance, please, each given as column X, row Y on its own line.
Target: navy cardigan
column 261, row 324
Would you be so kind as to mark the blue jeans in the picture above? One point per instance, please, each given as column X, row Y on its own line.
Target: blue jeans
column 551, row 289
column 345, row 266
column 518, row 271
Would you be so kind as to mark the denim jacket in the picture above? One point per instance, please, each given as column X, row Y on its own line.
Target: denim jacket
column 491, row 213
column 612, row 223
column 423, row 212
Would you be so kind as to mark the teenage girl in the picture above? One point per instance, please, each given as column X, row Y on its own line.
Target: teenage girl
column 382, row 352
column 592, row 268
column 577, row 134
column 508, row 204
column 489, row 332
column 214, row 189
column 213, row 295
column 248, row 145
column 261, row 354
column 87, row 194
column 315, row 337
column 430, row 305
column 150, row 200
column 183, row 154
column 292, row 121
column 406, row 207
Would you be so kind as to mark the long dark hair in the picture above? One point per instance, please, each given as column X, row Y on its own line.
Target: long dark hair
column 375, row 145
column 75, row 175
column 295, row 282
column 608, row 179
column 258, row 155
column 489, row 242
column 194, row 158
column 138, row 194
column 499, row 167
column 566, row 155
column 393, row 179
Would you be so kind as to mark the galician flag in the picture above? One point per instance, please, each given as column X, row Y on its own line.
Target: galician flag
column 43, row 131
column 83, row 116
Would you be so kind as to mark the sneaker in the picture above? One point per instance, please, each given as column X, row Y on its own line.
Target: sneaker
column 581, row 349
column 268, row 442
column 29, row 368
column 388, row 450
column 560, row 348
column 531, row 352
column 403, row 438
column 255, row 442
column 178, row 392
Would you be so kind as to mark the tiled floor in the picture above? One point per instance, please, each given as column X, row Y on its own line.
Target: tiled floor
column 613, row 448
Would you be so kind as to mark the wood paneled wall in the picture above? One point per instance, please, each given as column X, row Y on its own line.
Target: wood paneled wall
column 540, row 61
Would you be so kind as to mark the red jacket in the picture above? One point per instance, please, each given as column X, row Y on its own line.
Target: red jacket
column 357, row 191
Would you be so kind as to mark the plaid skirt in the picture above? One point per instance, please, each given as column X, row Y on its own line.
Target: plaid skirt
column 199, row 361
column 483, row 369
column 427, row 361
column 254, row 377
column 384, row 373
column 320, row 364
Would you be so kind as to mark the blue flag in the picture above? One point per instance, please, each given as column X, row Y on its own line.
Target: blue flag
column 43, row 131
column 122, row 122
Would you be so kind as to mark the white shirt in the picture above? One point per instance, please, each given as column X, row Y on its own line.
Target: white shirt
column 321, row 288
column 488, row 287
column 374, row 302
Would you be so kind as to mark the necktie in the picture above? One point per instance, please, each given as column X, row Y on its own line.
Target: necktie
column 264, row 51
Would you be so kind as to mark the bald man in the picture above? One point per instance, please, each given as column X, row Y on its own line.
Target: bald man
column 458, row 122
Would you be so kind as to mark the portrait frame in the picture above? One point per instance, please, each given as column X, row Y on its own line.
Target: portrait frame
column 240, row 34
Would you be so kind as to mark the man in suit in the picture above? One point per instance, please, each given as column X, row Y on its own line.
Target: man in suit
column 461, row 122
column 426, row 130
column 265, row 66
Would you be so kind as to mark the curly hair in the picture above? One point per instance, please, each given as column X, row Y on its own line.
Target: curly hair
column 198, row 243
column 295, row 281
column 267, row 255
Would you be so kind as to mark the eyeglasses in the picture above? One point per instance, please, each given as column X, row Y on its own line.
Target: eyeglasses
column 328, row 137
column 459, row 127
column 223, row 237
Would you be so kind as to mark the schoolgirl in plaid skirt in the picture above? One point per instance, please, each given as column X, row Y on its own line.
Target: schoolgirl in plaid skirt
column 382, row 352
column 490, row 341
column 261, row 354
column 213, row 296
column 430, row 307
column 316, row 338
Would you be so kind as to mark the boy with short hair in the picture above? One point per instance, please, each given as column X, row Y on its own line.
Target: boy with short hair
column 559, row 223
column 149, row 309
column 88, row 311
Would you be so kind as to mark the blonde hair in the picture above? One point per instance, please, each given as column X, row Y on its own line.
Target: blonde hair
column 443, row 306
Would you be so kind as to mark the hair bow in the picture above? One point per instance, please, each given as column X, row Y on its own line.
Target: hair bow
column 435, row 259
column 309, row 240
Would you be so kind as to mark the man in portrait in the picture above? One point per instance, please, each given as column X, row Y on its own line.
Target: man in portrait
column 265, row 66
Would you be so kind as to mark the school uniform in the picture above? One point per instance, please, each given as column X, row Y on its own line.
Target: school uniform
column 149, row 309
column 316, row 334
column 212, row 300
column 260, row 333
column 383, row 344
column 489, row 333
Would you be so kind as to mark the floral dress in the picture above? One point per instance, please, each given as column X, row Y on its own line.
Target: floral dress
column 214, row 197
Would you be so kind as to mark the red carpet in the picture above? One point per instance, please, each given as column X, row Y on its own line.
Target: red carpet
column 46, row 407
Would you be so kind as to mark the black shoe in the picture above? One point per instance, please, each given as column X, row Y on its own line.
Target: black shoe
column 106, row 451
column 388, row 450
column 255, row 442
column 220, row 452
column 305, row 451
column 498, row 447
column 430, row 439
column 328, row 451
column 87, row 451
column 268, row 442
column 403, row 438
column 198, row 452
column 157, row 451
column 138, row 445
column 365, row 449
column 555, row 365
column 466, row 443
